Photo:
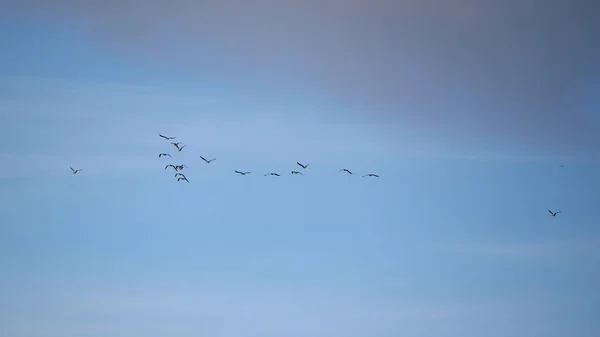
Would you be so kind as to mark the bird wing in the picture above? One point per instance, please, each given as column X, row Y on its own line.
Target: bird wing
column 213, row 159
column 72, row 169
column 558, row 212
column 550, row 212
column 162, row 136
column 203, row 158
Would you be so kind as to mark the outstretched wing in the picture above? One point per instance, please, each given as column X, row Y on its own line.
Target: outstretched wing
column 550, row 212
column 558, row 212
column 203, row 159
column 72, row 169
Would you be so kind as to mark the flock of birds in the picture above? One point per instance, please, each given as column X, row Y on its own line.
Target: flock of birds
column 181, row 177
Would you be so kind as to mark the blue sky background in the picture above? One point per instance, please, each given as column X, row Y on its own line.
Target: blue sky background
column 454, row 239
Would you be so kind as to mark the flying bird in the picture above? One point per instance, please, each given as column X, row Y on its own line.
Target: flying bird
column 303, row 166
column 179, row 175
column 345, row 170
column 370, row 175
column 179, row 148
column 242, row 173
column 74, row 170
column 271, row 174
column 208, row 161
column 165, row 137
column 183, row 178
column 163, row 155
column 296, row 172
column 173, row 166
column 554, row 213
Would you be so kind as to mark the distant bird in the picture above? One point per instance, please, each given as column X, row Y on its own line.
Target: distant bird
column 271, row 174
column 296, row 172
column 242, row 173
column 370, row 175
column 303, row 166
column 179, row 175
column 165, row 137
column 208, row 161
column 345, row 170
column 171, row 165
column 179, row 148
column 163, row 154
column 183, row 178
column 554, row 213
column 74, row 170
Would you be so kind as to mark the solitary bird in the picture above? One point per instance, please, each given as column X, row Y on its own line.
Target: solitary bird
column 271, row 174
column 303, row 166
column 163, row 155
column 208, row 161
column 183, row 178
column 296, row 172
column 179, row 148
column 74, row 170
column 242, row 173
column 370, row 175
column 345, row 170
column 554, row 213
column 173, row 166
column 165, row 137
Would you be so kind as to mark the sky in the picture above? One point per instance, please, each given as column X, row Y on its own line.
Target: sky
column 479, row 116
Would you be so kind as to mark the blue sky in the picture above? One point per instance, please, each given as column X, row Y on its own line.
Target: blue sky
column 454, row 239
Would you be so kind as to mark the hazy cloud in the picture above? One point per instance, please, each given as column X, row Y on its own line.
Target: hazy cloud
column 523, row 70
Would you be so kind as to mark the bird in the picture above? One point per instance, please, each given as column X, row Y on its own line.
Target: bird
column 179, row 174
column 163, row 154
column 179, row 148
column 554, row 213
column 242, row 173
column 183, row 178
column 271, row 174
column 296, row 172
column 345, row 170
column 173, row 166
column 370, row 175
column 180, row 167
column 165, row 137
column 208, row 161
column 303, row 166
column 74, row 170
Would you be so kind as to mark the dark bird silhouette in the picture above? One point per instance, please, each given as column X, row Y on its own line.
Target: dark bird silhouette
column 208, row 161
column 296, row 172
column 179, row 175
column 179, row 148
column 183, row 178
column 554, row 213
column 165, row 137
column 303, row 166
column 163, row 155
column 242, row 173
column 171, row 165
column 345, row 170
column 74, row 170
column 271, row 174
column 370, row 175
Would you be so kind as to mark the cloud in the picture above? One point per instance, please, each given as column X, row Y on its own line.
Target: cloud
column 514, row 71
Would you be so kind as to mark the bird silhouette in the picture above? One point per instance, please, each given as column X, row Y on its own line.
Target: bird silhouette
column 163, row 155
column 179, row 175
column 370, row 175
column 554, row 213
column 179, row 148
column 208, row 161
column 74, row 170
column 345, row 170
column 271, row 174
column 242, row 173
column 303, row 166
column 165, row 137
column 183, row 178
column 296, row 172
column 173, row 166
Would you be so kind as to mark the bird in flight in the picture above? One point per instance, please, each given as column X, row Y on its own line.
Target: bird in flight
column 242, row 173
column 183, row 178
column 303, row 166
column 163, row 155
column 179, row 148
column 165, row 137
column 74, row 170
column 179, row 174
column 271, row 174
column 345, row 170
column 173, row 166
column 370, row 175
column 208, row 161
column 554, row 213
column 296, row 172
